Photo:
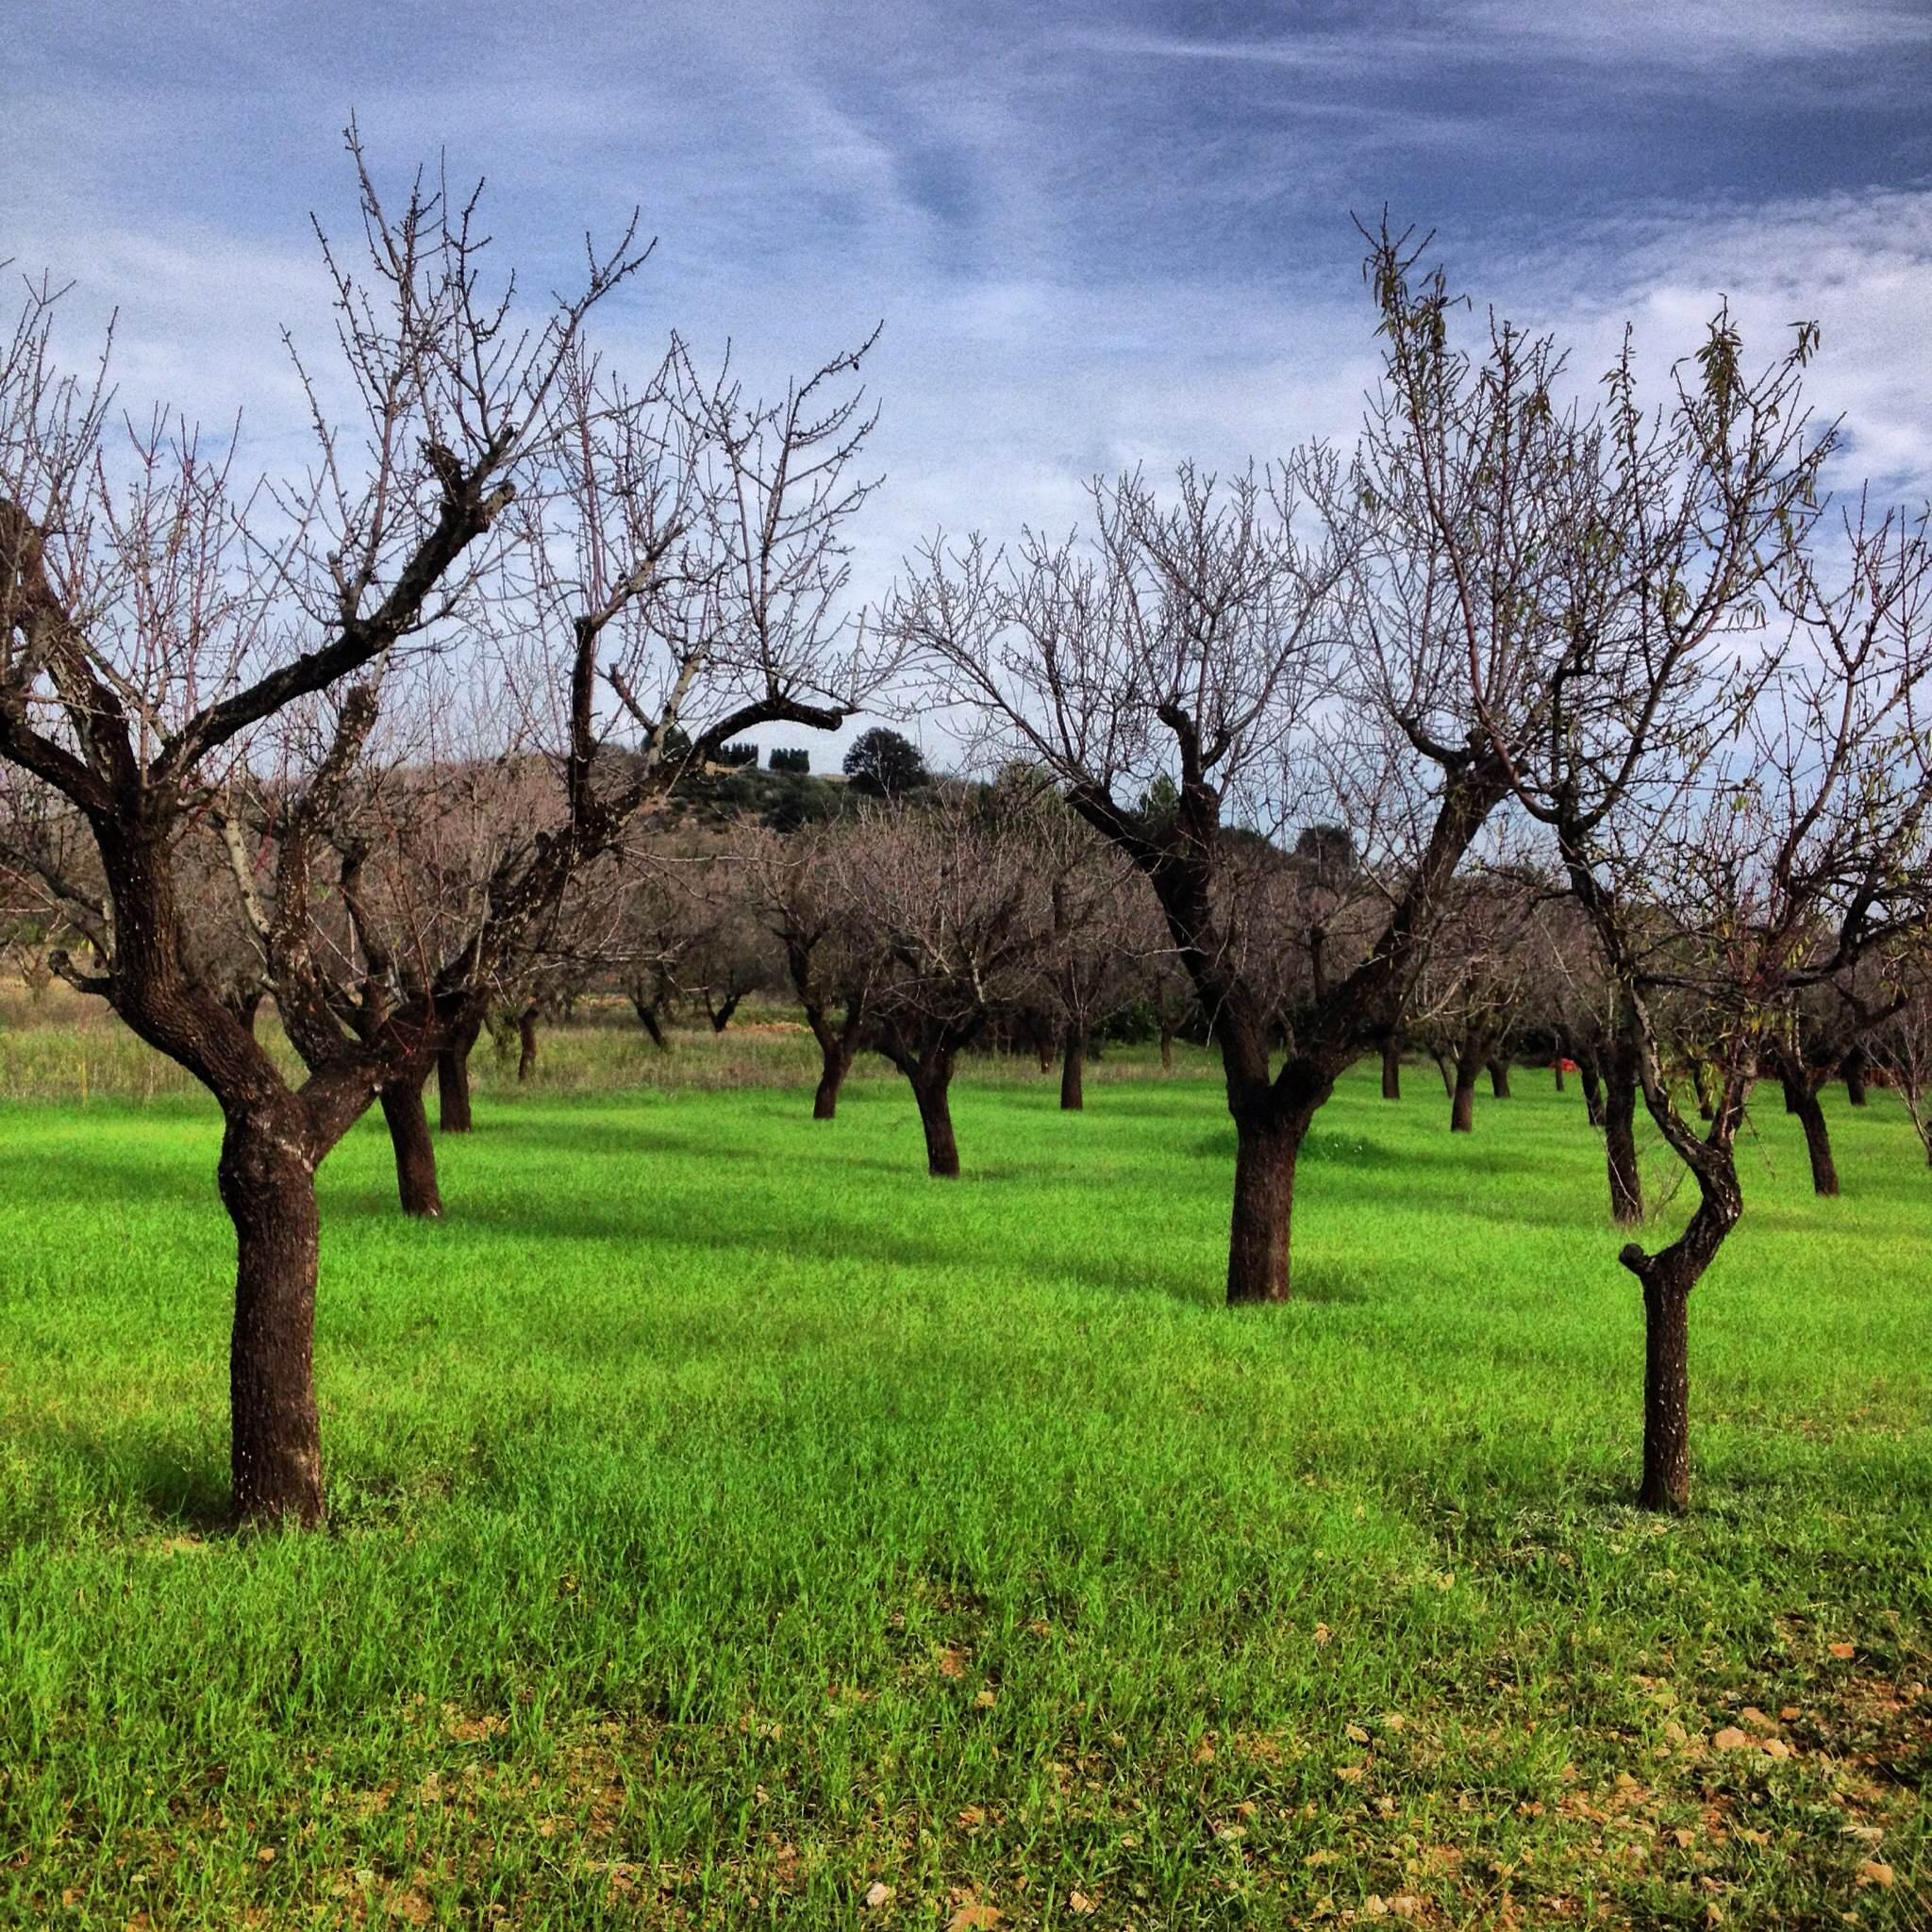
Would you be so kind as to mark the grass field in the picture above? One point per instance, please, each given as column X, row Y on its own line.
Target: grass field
column 732, row 1525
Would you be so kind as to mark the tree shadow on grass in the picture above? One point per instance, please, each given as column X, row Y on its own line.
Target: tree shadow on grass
column 173, row 1484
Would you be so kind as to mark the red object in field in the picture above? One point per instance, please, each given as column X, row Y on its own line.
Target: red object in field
column 1567, row 1067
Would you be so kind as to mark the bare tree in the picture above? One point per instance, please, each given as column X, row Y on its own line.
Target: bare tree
column 792, row 881
column 1737, row 820
column 941, row 892
column 1901, row 1047
column 166, row 642
column 1208, row 647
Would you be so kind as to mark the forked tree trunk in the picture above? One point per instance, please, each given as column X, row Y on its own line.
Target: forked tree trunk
column 931, row 1088
column 1073, row 1070
column 527, row 1045
column 1257, row 1248
column 1499, row 1079
column 721, row 1016
column 452, row 1079
column 1619, row 1134
column 1855, row 1070
column 1802, row 1099
column 1167, row 1049
column 1391, row 1068
column 267, row 1187
column 1668, row 1278
column 415, row 1152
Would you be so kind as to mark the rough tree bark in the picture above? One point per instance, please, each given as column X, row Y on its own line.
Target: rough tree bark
column 267, row 1180
column 1266, row 1151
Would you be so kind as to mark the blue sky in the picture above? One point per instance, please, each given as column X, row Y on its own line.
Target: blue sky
column 1096, row 234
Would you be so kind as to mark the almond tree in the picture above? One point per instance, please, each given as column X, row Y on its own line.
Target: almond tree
column 943, row 893
column 792, row 881
column 167, row 639
column 1739, row 811
column 1332, row 637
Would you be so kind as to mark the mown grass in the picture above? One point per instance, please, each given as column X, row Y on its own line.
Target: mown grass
column 729, row 1522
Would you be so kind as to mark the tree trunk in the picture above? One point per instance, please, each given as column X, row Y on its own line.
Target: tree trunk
column 1800, row 1097
column 1591, row 1073
column 1666, row 1391
column 267, row 1187
column 1462, row 1095
column 1073, row 1067
column 1556, row 1068
column 1854, row 1070
column 452, row 1079
column 1619, row 1134
column 527, row 1045
column 415, row 1152
column 1391, row 1068
column 836, row 1062
column 1258, row 1245
column 721, row 1016
column 1167, row 1049
column 931, row 1089
column 648, row 1020
column 1446, row 1067
column 1499, row 1079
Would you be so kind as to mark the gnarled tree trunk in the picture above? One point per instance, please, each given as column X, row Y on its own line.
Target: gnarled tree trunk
column 268, row 1186
column 415, row 1152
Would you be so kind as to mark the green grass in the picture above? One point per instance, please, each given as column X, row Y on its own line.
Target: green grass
column 729, row 1520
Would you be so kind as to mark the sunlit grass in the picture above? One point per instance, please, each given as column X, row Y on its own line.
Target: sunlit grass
column 729, row 1520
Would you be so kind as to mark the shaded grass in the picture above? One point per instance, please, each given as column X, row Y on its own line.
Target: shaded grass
column 727, row 1519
